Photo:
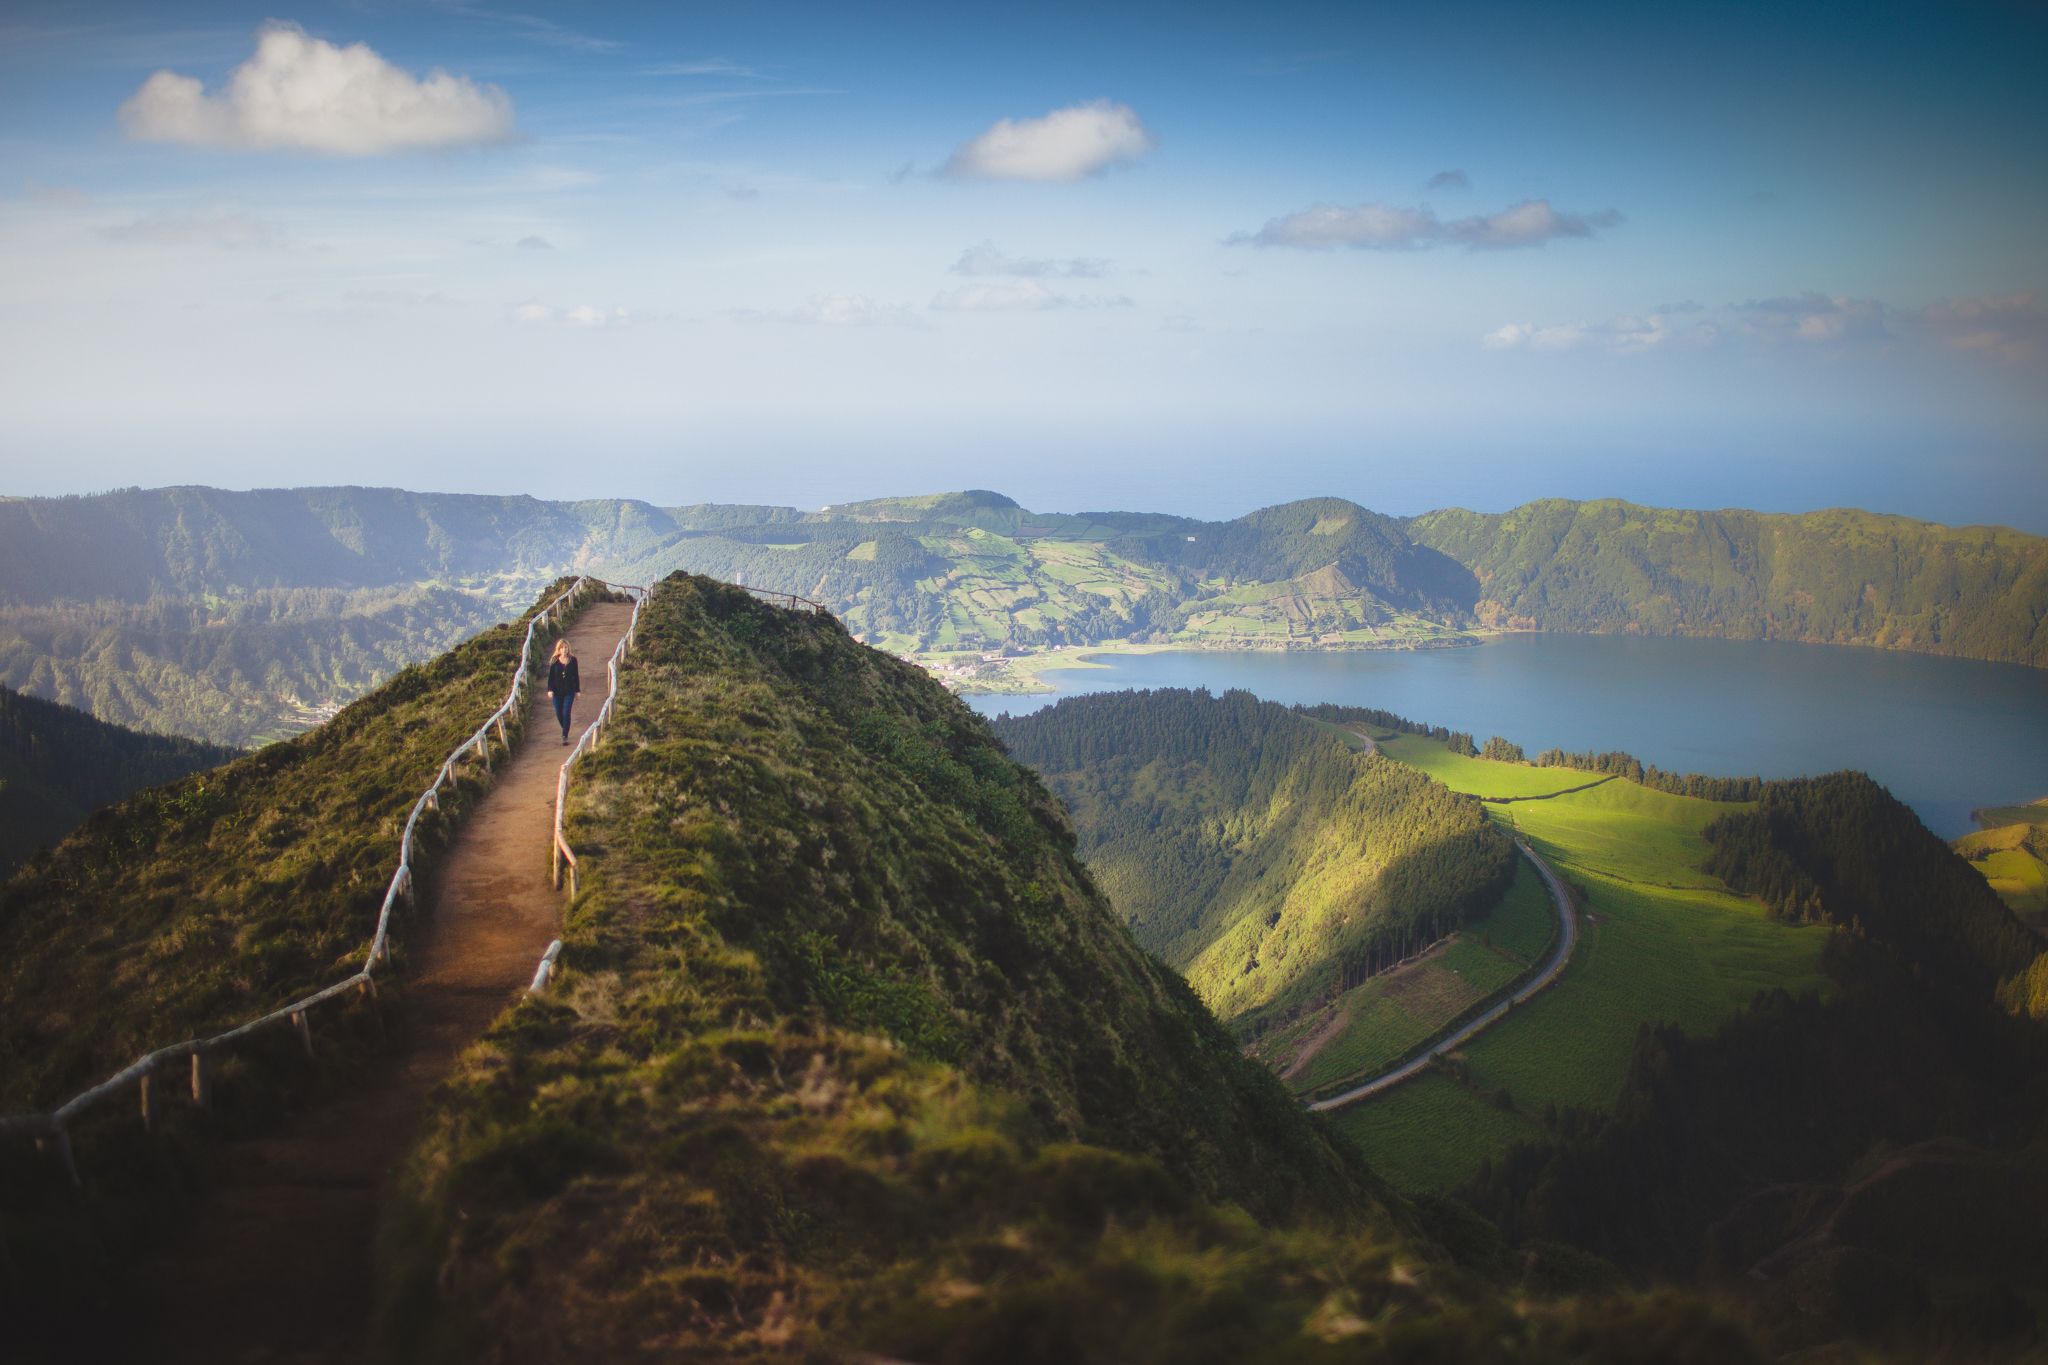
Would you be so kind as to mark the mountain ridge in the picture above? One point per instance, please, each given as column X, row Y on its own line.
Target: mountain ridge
column 238, row 617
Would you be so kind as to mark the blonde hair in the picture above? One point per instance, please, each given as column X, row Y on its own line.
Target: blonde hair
column 561, row 649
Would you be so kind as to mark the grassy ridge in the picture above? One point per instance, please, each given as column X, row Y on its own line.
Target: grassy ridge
column 1661, row 940
column 195, row 905
column 848, row 1055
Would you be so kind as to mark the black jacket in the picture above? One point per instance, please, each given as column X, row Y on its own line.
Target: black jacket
column 562, row 678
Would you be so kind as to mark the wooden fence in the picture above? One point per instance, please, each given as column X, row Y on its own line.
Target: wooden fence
column 147, row 1073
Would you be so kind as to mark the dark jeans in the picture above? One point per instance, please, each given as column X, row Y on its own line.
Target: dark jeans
column 565, row 702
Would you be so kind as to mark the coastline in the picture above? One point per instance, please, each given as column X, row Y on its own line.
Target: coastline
column 974, row 674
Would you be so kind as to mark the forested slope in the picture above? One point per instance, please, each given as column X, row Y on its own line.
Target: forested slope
column 1255, row 851
column 847, row 1055
column 1835, row 577
column 1871, row 1166
column 57, row 765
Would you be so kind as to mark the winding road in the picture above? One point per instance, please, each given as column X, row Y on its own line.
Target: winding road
column 1560, row 954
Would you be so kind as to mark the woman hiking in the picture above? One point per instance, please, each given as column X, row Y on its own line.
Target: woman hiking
column 563, row 684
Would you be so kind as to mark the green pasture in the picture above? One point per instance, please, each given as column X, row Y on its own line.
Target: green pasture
column 1436, row 1135
column 1660, row 940
column 2020, row 879
column 1397, row 1011
column 1481, row 776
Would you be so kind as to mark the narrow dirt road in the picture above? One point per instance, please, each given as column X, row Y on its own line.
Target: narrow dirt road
column 274, row 1265
column 1560, row 954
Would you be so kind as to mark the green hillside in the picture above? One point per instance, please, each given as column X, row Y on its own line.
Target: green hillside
column 848, row 1056
column 1255, row 851
column 1837, row 577
column 2011, row 852
column 58, row 765
column 220, row 896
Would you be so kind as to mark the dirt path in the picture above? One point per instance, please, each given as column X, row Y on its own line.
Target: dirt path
column 274, row 1265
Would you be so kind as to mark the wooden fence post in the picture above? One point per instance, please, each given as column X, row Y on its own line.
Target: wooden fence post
column 202, row 1084
column 148, row 1089
column 305, row 1030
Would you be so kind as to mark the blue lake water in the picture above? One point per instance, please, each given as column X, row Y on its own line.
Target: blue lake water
column 1945, row 735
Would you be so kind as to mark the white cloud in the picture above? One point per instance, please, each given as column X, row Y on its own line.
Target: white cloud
column 833, row 310
column 1375, row 226
column 300, row 93
column 585, row 315
column 1529, row 223
column 1067, row 144
column 535, row 244
column 1385, row 227
column 986, row 260
column 1628, row 334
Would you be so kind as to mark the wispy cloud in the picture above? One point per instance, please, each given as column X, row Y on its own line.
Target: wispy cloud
column 1628, row 334
column 1384, row 227
column 535, row 244
column 582, row 315
column 987, row 260
column 1293, row 63
column 1448, row 180
column 834, row 310
column 532, row 27
column 1073, row 143
column 300, row 93
column 2009, row 327
column 1018, row 296
column 706, row 66
column 220, row 230
column 1814, row 318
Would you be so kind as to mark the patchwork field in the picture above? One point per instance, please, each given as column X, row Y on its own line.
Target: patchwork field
column 1661, row 941
column 1369, row 1028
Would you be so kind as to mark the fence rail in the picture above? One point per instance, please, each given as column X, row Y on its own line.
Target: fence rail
column 53, row 1126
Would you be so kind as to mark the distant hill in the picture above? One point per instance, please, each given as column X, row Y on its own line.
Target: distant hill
column 1835, row 577
column 1252, row 849
column 58, row 765
column 244, row 616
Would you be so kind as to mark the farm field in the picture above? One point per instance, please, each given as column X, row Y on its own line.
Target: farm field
column 1396, row 1011
column 2011, row 852
column 1480, row 776
column 1660, row 941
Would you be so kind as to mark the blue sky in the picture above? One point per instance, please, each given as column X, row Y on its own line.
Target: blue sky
column 1174, row 257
